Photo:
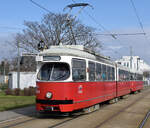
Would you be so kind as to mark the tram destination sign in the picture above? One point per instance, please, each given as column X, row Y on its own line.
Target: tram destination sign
column 52, row 58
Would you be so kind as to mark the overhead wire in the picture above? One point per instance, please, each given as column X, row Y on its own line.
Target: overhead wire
column 127, row 34
column 137, row 15
column 139, row 20
column 40, row 6
column 35, row 3
column 121, row 34
column 109, row 33
column 99, row 24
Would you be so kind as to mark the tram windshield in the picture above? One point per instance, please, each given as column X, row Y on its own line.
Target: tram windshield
column 54, row 72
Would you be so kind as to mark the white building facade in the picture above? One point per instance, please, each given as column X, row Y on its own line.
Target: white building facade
column 27, row 79
column 134, row 62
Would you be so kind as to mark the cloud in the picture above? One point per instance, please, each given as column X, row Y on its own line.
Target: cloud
column 115, row 48
column 122, row 45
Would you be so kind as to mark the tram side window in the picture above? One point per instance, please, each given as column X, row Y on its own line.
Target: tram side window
column 140, row 77
column 127, row 76
column 109, row 73
column 135, row 76
column 78, row 70
column 113, row 73
column 98, row 72
column 104, row 74
column 91, row 71
column 131, row 76
column 121, row 75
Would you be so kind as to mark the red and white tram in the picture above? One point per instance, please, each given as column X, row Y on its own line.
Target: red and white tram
column 71, row 78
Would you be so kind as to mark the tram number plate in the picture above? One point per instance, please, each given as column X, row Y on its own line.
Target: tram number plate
column 80, row 89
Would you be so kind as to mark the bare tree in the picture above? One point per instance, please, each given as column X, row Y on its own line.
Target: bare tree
column 27, row 64
column 53, row 30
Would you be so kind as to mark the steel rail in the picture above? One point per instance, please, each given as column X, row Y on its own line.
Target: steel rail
column 15, row 124
column 144, row 120
column 63, row 122
column 80, row 115
column 29, row 120
column 122, row 110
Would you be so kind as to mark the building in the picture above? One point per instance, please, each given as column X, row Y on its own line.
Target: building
column 3, row 79
column 134, row 62
column 27, row 79
column 27, row 72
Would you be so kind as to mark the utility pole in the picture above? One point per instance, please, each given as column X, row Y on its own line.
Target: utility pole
column 3, row 63
column 71, row 31
column 18, row 66
column 131, row 58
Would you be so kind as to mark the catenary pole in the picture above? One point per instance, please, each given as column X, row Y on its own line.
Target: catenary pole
column 18, row 66
column 131, row 57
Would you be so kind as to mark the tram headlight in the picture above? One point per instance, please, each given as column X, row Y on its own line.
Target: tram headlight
column 48, row 95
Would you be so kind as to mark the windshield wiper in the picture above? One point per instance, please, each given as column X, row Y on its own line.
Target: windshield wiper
column 52, row 72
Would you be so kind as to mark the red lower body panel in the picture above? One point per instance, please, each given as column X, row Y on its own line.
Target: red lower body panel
column 136, row 85
column 72, row 96
column 123, row 88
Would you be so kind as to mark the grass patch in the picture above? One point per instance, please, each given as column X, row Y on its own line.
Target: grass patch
column 8, row 102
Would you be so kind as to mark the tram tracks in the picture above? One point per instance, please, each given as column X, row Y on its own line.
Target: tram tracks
column 13, row 125
column 122, row 110
column 142, row 124
column 64, row 121
column 18, row 120
column 58, row 121
column 111, row 117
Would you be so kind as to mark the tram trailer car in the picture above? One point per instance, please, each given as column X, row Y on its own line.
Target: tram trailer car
column 136, row 79
column 123, row 81
column 70, row 78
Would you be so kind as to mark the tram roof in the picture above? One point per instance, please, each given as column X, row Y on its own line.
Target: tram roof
column 74, row 50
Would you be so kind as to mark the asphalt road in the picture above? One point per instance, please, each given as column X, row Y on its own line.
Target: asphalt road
column 17, row 113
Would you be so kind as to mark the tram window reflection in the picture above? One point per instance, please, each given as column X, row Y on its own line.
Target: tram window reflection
column 54, row 72
column 91, row 71
column 78, row 70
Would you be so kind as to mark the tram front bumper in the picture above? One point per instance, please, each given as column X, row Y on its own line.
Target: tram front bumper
column 54, row 105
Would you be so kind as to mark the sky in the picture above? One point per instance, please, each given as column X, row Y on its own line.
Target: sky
column 116, row 16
